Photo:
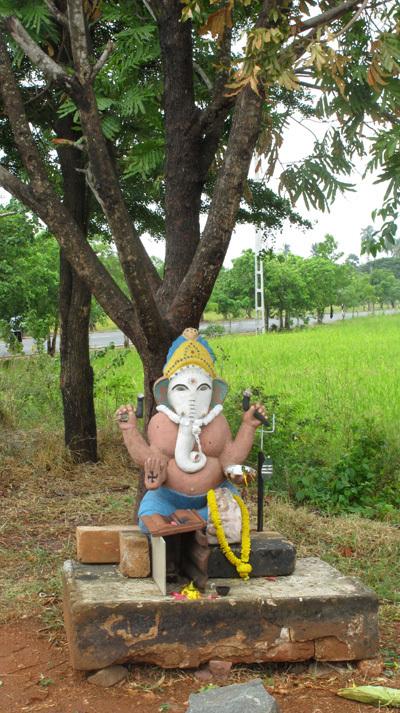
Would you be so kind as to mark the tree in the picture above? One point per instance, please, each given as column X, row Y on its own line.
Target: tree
column 285, row 290
column 326, row 249
column 225, row 295
column 28, row 275
column 236, row 285
column 353, row 260
column 208, row 134
column 321, row 277
column 387, row 263
column 387, row 287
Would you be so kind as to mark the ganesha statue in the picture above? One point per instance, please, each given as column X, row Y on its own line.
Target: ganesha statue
column 190, row 453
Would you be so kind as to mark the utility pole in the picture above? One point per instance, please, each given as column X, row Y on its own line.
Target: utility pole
column 259, row 287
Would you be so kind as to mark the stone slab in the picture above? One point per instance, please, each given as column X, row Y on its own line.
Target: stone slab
column 313, row 613
column 248, row 697
column 271, row 555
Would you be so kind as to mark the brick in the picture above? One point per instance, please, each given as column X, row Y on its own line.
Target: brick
column 370, row 668
column 134, row 554
column 100, row 544
column 220, row 669
column 203, row 674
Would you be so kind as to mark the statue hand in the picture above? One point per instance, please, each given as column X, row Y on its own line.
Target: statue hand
column 250, row 419
column 155, row 471
column 240, row 474
column 125, row 417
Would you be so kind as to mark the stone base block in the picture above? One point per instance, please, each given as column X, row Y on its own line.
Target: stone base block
column 313, row 613
column 271, row 555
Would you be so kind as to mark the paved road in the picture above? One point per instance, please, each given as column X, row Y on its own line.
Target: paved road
column 103, row 339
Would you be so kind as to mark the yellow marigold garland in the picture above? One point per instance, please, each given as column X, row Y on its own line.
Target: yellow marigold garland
column 242, row 565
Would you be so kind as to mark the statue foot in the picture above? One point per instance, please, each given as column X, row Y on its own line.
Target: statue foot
column 155, row 472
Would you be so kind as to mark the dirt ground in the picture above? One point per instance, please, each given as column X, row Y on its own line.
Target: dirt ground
column 43, row 499
column 35, row 676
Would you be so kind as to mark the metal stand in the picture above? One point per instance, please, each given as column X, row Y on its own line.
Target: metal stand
column 264, row 472
column 259, row 288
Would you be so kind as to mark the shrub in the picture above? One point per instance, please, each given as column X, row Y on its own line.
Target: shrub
column 364, row 479
column 213, row 330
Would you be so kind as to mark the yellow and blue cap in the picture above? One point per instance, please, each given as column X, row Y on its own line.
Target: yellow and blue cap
column 187, row 350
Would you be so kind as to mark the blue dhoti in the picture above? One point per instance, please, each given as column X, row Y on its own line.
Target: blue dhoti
column 165, row 501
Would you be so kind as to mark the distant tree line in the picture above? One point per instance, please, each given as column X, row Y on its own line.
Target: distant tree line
column 296, row 287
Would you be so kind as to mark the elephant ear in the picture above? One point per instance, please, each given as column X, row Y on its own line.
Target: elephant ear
column 220, row 390
column 160, row 390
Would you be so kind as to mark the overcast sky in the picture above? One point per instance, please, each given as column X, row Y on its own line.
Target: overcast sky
column 349, row 214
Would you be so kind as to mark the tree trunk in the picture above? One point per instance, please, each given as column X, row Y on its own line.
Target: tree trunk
column 76, row 372
column 287, row 320
column 320, row 316
column 281, row 320
column 267, row 315
column 76, row 376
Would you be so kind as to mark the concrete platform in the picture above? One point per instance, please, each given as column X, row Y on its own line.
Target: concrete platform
column 315, row 613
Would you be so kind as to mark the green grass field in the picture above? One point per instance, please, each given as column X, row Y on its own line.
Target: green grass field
column 335, row 390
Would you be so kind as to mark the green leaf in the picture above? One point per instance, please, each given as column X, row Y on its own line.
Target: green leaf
column 374, row 695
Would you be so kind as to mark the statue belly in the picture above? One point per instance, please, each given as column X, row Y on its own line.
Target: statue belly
column 194, row 483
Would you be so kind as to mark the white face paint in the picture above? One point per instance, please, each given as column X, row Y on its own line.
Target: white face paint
column 190, row 392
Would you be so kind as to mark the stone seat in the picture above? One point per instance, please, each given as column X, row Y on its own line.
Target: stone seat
column 271, row 555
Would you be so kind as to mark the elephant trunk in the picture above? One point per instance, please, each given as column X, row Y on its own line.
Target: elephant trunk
column 186, row 458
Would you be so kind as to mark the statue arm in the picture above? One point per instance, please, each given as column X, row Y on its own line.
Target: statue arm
column 149, row 457
column 137, row 446
column 236, row 450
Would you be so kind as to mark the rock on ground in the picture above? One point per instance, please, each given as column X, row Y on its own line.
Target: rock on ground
column 109, row 676
column 250, row 697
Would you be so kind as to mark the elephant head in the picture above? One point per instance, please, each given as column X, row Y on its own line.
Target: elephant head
column 191, row 395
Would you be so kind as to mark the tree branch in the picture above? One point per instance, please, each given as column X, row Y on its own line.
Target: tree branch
column 140, row 273
column 102, row 59
column 8, row 212
column 207, row 81
column 196, row 287
column 57, row 14
column 199, row 280
column 79, row 42
column 32, row 50
column 183, row 158
column 22, row 191
column 329, row 15
column 40, row 197
column 212, row 120
column 350, row 22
